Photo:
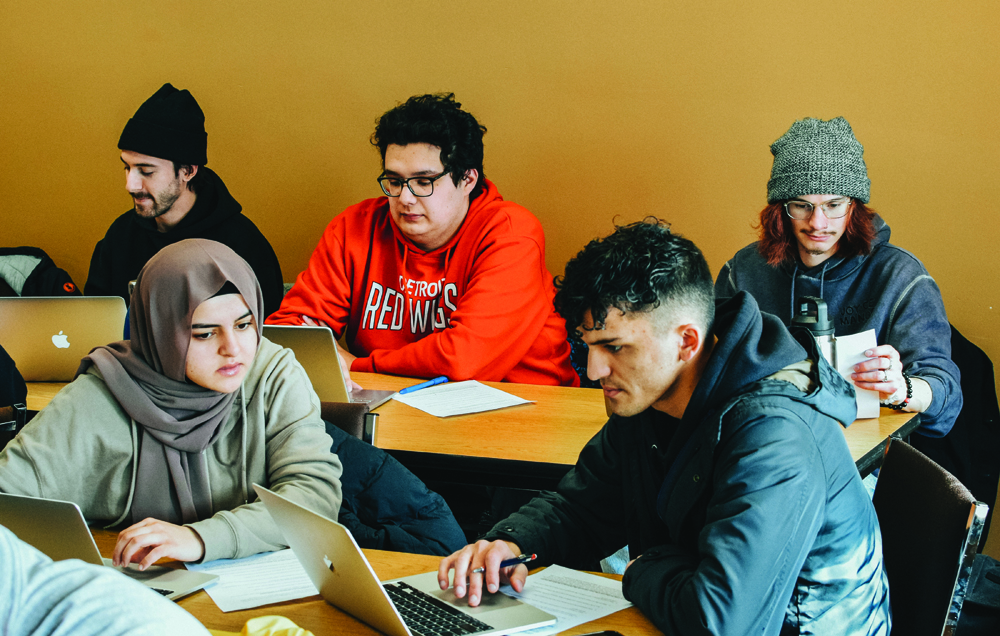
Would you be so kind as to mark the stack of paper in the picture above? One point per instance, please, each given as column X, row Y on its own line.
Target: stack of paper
column 572, row 597
column 851, row 351
column 459, row 398
column 270, row 577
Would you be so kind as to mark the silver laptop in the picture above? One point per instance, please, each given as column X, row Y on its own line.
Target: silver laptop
column 47, row 336
column 57, row 530
column 346, row 580
column 316, row 351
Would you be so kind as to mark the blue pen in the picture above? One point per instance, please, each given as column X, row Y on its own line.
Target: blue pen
column 423, row 385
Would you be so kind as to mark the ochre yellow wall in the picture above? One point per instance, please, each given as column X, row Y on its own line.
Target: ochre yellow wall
column 596, row 111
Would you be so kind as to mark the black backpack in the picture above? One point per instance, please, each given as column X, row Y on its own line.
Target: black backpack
column 19, row 278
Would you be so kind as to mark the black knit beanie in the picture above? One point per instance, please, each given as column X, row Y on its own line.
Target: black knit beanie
column 169, row 125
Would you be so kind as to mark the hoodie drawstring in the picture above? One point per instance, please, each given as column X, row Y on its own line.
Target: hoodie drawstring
column 135, row 468
column 822, row 278
column 243, row 472
column 791, row 301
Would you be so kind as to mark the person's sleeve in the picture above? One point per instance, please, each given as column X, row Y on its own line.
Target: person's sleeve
column 920, row 332
column 268, row 272
column 323, row 290
column 762, row 520
column 299, row 467
column 99, row 277
column 13, row 390
column 72, row 598
column 78, row 448
column 386, row 507
column 255, row 249
column 581, row 522
column 496, row 321
column 725, row 284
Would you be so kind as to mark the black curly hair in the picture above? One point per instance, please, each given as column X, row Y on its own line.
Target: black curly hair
column 438, row 120
column 638, row 268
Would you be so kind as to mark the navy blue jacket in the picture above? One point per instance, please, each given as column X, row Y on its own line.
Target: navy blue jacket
column 888, row 290
column 386, row 507
column 746, row 516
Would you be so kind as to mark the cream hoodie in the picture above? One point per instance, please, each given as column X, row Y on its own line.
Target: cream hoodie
column 80, row 448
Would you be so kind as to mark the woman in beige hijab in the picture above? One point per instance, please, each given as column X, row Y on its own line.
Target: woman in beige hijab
column 167, row 431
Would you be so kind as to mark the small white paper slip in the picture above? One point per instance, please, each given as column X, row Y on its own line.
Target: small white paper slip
column 270, row 577
column 459, row 398
column 850, row 351
column 572, row 597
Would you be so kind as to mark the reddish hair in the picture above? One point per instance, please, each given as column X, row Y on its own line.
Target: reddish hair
column 777, row 242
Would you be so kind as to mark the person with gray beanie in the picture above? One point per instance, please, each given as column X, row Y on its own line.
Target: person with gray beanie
column 175, row 197
column 818, row 237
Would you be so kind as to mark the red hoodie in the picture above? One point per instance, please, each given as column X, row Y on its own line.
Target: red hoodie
column 479, row 307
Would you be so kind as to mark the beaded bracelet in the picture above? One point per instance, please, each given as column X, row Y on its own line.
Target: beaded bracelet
column 906, row 400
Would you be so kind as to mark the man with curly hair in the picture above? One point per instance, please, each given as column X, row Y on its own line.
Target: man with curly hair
column 819, row 238
column 440, row 276
column 723, row 467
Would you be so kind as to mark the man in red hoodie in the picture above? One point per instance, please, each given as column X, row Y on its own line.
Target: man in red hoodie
column 440, row 276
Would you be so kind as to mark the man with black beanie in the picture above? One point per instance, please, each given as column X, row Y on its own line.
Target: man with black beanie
column 164, row 149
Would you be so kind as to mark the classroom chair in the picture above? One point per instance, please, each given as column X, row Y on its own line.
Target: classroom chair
column 353, row 418
column 971, row 451
column 12, row 419
column 931, row 525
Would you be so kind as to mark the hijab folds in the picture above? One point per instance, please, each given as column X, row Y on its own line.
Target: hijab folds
column 177, row 418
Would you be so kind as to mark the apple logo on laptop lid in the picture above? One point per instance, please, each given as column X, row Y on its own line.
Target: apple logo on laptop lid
column 60, row 341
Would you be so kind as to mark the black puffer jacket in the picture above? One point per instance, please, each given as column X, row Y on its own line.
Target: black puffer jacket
column 386, row 507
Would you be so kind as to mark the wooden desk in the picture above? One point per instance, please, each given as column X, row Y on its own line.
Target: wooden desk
column 41, row 393
column 534, row 445
column 319, row 617
column 867, row 439
column 529, row 446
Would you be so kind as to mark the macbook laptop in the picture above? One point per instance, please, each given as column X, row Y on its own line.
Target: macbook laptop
column 47, row 336
column 411, row 606
column 57, row 530
column 316, row 351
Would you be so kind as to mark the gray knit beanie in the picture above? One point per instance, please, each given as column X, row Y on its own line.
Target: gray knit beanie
column 818, row 157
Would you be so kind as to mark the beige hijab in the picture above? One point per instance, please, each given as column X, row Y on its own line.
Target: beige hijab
column 178, row 419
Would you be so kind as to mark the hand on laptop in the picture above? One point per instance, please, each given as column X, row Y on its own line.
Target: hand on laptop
column 151, row 539
column 482, row 554
column 346, row 358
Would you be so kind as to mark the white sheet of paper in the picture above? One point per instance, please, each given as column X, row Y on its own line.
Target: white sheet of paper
column 850, row 351
column 270, row 577
column 572, row 597
column 459, row 398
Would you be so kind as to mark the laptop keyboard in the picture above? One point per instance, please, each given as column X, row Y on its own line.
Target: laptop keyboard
column 428, row 616
column 161, row 591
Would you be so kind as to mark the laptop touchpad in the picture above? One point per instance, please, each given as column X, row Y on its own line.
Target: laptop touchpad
column 488, row 603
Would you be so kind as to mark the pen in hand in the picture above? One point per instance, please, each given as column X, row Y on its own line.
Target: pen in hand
column 524, row 558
